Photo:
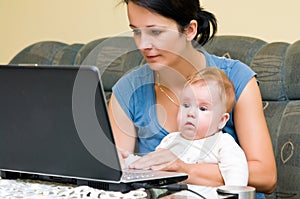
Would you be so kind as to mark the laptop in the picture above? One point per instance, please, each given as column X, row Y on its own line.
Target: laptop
column 54, row 126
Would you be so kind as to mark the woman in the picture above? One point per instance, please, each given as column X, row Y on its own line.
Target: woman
column 144, row 103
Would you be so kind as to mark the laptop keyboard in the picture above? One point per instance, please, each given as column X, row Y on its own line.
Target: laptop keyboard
column 138, row 174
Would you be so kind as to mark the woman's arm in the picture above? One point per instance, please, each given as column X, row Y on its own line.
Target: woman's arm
column 123, row 128
column 204, row 174
column 254, row 138
column 163, row 159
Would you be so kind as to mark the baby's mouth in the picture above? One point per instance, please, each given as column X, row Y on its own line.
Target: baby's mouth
column 189, row 124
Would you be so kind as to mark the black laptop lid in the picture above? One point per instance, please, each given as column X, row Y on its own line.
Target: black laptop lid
column 53, row 122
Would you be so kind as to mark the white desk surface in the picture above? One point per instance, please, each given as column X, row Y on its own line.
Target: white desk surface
column 32, row 189
column 29, row 189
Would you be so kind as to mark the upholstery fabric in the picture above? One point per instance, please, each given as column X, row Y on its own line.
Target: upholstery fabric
column 39, row 53
column 292, row 71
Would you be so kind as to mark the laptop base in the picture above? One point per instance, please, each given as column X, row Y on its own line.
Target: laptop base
column 122, row 187
column 107, row 186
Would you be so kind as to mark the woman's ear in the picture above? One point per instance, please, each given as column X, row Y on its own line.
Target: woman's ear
column 191, row 30
column 223, row 120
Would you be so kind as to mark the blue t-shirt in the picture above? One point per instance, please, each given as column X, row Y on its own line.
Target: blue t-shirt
column 135, row 94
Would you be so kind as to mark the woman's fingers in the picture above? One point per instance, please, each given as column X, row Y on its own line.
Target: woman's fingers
column 157, row 159
column 124, row 154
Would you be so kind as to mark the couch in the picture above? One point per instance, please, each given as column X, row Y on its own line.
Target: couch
column 277, row 65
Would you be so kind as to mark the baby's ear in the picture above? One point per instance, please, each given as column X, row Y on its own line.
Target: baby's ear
column 225, row 117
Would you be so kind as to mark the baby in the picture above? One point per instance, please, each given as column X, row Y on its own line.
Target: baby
column 205, row 103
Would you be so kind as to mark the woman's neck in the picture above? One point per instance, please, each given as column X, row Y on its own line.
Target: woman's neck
column 174, row 77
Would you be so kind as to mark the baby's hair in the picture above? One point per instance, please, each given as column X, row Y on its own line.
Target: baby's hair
column 226, row 88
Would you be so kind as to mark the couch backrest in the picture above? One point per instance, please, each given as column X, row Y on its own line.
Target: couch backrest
column 114, row 57
column 277, row 64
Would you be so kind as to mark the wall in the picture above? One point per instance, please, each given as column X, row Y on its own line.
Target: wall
column 268, row 19
column 24, row 22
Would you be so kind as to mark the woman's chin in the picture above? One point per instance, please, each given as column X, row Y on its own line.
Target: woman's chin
column 156, row 66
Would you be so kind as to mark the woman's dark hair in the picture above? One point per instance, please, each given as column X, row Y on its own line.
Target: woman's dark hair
column 183, row 11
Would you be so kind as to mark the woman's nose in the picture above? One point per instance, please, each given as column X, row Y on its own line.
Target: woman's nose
column 145, row 41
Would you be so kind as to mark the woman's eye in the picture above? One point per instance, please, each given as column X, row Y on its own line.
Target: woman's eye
column 136, row 31
column 156, row 32
column 202, row 108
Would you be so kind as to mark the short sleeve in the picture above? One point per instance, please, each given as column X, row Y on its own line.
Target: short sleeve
column 123, row 90
column 233, row 163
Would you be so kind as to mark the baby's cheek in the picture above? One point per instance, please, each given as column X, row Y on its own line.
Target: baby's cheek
column 179, row 119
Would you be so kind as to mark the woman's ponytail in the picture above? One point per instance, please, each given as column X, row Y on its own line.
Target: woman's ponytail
column 207, row 27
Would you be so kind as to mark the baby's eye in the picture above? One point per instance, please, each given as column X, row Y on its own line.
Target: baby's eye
column 203, row 108
column 185, row 105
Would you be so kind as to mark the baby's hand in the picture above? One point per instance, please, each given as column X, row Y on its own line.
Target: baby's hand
column 130, row 159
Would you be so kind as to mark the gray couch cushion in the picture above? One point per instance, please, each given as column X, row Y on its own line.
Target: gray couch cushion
column 114, row 57
column 292, row 67
column 273, row 113
column 86, row 49
column 67, row 55
column 268, row 63
column 239, row 47
column 39, row 53
column 288, row 152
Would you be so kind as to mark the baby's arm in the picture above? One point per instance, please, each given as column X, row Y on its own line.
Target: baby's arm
column 233, row 163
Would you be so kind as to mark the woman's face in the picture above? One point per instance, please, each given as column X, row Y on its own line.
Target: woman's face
column 157, row 37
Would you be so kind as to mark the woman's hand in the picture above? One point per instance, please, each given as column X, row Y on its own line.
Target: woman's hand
column 161, row 159
column 122, row 156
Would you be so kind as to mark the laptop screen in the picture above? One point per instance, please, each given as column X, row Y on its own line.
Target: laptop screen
column 53, row 121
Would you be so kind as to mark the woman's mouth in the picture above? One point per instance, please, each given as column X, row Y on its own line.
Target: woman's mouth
column 151, row 58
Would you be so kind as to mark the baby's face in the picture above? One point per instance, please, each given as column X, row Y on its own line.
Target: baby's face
column 200, row 111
